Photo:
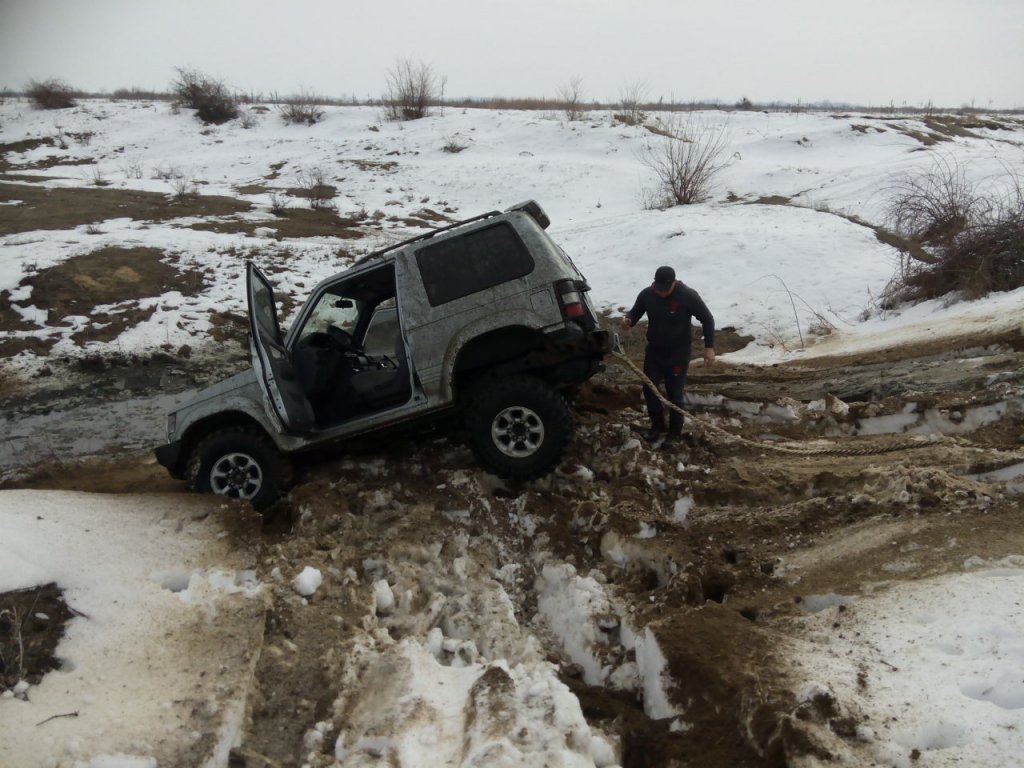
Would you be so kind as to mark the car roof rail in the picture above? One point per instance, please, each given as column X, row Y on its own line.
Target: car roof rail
column 424, row 236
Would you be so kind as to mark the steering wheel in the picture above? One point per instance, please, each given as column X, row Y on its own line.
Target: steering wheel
column 340, row 339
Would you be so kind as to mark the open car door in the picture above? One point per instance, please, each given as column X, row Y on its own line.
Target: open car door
column 270, row 359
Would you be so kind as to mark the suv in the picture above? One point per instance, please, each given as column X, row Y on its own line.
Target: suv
column 487, row 316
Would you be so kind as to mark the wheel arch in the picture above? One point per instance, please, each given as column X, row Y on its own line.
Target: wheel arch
column 481, row 355
column 207, row 425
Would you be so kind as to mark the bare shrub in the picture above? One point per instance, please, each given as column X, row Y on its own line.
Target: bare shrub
column 278, row 203
column 132, row 167
column 314, row 187
column 210, row 98
column 135, row 93
column 936, row 206
column 50, row 94
column 248, row 118
column 96, row 178
column 182, row 186
column 454, row 144
column 685, row 161
column 167, row 172
column 571, row 96
column 986, row 256
column 411, row 88
column 631, row 99
column 304, row 108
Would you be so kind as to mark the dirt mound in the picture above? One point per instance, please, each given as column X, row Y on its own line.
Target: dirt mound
column 31, row 624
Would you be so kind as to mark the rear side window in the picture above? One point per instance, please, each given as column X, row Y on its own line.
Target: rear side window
column 463, row 265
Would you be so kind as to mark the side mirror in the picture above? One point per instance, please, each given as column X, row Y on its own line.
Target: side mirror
column 344, row 304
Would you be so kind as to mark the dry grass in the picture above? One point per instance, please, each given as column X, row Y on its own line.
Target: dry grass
column 67, row 208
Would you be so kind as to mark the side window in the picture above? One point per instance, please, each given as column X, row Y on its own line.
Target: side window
column 473, row 262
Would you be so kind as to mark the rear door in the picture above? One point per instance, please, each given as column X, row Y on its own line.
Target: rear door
column 270, row 359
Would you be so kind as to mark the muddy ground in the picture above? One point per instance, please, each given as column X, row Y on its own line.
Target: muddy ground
column 797, row 481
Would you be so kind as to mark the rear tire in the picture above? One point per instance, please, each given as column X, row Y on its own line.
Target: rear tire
column 239, row 463
column 519, row 427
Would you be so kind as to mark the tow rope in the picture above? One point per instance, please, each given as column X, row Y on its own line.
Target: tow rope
column 705, row 426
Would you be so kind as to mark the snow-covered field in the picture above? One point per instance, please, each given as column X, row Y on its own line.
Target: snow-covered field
column 778, row 272
column 772, row 271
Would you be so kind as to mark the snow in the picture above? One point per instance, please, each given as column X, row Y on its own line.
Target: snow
column 308, row 581
column 146, row 660
column 960, row 639
column 141, row 570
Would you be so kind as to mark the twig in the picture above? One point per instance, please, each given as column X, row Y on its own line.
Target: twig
column 54, row 717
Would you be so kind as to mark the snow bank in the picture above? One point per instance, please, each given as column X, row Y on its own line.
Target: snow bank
column 156, row 662
column 932, row 668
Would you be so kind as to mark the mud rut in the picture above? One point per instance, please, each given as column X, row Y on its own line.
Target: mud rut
column 712, row 546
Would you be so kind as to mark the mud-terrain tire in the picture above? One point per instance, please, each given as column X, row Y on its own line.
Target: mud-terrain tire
column 239, row 463
column 518, row 427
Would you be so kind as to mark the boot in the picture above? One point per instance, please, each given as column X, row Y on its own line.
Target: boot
column 675, row 432
column 657, row 429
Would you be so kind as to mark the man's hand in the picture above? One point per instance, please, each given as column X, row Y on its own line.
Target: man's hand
column 709, row 356
column 627, row 322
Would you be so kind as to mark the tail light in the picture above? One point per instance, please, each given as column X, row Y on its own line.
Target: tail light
column 570, row 296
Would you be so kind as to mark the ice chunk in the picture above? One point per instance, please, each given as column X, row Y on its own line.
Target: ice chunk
column 682, row 508
column 308, row 581
column 384, row 597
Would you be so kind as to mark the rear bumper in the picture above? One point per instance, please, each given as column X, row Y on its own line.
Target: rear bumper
column 573, row 357
column 170, row 457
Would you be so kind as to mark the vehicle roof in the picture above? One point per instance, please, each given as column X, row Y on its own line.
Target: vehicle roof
column 530, row 207
column 383, row 255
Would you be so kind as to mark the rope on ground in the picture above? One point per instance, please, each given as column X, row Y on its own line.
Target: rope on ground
column 908, row 443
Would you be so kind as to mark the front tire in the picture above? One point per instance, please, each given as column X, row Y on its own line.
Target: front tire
column 239, row 463
column 519, row 427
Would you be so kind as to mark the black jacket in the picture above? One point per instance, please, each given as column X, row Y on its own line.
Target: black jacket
column 669, row 320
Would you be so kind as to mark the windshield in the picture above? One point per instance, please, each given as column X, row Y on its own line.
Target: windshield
column 332, row 309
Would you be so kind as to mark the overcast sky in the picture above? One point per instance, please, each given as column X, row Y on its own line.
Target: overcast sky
column 873, row 52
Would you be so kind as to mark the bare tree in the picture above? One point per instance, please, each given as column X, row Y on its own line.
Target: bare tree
column 631, row 100
column 685, row 158
column 412, row 88
column 571, row 95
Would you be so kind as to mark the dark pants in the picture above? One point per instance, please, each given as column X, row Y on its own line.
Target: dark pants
column 670, row 371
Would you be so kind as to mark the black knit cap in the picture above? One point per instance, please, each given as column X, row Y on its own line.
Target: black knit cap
column 664, row 277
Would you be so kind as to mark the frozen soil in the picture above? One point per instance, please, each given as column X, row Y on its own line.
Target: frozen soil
column 712, row 551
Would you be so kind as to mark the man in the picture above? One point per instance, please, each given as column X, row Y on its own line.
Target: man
column 670, row 307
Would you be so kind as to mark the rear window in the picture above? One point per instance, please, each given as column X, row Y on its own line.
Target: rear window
column 473, row 262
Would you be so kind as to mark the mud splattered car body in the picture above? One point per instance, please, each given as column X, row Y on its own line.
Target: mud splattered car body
column 487, row 317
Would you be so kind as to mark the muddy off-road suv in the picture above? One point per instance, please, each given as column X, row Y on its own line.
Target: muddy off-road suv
column 487, row 318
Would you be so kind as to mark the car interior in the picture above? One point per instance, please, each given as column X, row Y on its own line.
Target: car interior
column 349, row 355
